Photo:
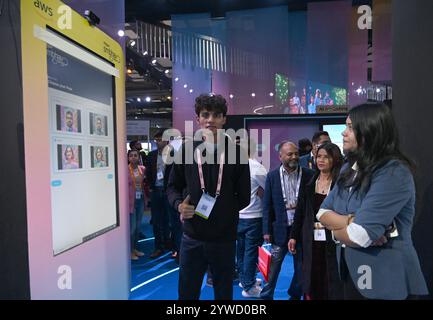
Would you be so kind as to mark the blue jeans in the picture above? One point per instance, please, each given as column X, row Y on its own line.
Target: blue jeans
column 249, row 239
column 195, row 256
column 135, row 222
column 159, row 212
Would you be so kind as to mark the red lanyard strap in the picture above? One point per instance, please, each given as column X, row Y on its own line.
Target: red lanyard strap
column 220, row 172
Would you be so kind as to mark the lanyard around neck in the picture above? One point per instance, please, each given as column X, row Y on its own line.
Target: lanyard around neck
column 283, row 185
column 133, row 177
column 220, row 172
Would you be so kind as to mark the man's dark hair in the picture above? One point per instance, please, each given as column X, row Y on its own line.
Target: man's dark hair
column 214, row 103
column 317, row 135
column 158, row 134
column 378, row 142
column 132, row 144
column 303, row 144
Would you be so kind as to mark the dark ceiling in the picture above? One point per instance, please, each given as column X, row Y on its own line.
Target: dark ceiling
column 157, row 10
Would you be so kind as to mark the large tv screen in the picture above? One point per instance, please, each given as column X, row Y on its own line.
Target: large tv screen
column 299, row 96
column 82, row 145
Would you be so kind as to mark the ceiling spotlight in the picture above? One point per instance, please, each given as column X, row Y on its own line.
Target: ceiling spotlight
column 271, row 94
column 176, row 79
column 377, row 90
column 253, row 94
column 185, row 85
column 148, row 99
column 138, row 99
column 166, row 71
column 168, row 97
column 231, row 96
column 191, row 91
column 154, row 61
column 132, row 43
column 145, row 53
column 120, row 33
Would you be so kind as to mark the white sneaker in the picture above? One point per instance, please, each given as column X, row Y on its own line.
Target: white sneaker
column 254, row 292
column 258, row 283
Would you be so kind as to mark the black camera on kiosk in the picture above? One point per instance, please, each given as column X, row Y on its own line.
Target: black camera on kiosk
column 92, row 18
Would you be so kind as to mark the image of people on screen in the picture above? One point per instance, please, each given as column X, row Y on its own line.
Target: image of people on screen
column 99, row 129
column 99, row 158
column 70, row 157
column 68, row 119
column 311, row 106
column 98, row 124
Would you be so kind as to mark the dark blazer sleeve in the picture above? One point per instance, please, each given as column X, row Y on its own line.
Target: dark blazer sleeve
column 268, row 210
column 176, row 181
column 149, row 169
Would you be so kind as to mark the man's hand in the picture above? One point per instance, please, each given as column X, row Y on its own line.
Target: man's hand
column 267, row 238
column 185, row 209
column 292, row 246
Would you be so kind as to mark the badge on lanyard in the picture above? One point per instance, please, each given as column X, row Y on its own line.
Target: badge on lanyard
column 205, row 206
column 160, row 175
column 319, row 235
column 138, row 194
column 207, row 202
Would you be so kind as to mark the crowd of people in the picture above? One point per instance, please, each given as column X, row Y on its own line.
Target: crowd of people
column 345, row 219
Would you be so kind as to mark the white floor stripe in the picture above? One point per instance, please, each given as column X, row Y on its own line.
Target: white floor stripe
column 148, row 239
column 153, row 279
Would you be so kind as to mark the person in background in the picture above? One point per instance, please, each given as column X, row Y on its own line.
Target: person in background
column 158, row 197
column 136, row 179
column 371, row 210
column 136, row 145
column 320, row 279
column 175, row 225
column 216, row 192
column 311, row 108
column 304, row 146
column 250, row 228
column 309, row 160
column 279, row 203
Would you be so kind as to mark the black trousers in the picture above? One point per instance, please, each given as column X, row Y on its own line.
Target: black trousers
column 195, row 257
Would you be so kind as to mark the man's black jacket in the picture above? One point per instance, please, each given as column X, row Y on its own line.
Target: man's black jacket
column 235, row 191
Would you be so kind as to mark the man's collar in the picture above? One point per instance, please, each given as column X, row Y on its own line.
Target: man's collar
column 355, row 166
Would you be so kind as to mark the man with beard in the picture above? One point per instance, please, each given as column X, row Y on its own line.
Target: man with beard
column 279, row 203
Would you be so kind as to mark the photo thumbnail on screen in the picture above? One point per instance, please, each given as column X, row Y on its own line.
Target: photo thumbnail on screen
column 99, row 156
column 98, row 124
column 69, row 157
column 68, row 119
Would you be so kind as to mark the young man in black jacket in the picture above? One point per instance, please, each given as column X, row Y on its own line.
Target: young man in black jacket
column 216, row 179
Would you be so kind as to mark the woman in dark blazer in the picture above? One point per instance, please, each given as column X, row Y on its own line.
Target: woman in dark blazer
column 320, row 280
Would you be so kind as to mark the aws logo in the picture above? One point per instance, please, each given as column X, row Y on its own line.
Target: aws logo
column 43, row 7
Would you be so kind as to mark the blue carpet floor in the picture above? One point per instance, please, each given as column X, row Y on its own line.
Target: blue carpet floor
column 156, row 279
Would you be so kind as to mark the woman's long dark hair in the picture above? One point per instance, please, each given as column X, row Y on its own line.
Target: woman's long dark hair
column 334, row 153
column 377, row 137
